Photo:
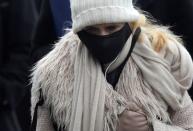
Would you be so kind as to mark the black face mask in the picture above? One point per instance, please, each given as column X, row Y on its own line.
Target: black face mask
column 106, row 48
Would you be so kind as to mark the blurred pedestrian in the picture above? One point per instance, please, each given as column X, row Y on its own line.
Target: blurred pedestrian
column 17, row 19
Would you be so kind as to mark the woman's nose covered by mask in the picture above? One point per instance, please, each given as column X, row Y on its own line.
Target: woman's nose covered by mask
column 106, row 48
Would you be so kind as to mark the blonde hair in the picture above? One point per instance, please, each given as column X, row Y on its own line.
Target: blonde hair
column 157, row 34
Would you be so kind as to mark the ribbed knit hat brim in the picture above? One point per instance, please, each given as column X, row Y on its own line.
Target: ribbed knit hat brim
column 106, row 14
column 91, row 12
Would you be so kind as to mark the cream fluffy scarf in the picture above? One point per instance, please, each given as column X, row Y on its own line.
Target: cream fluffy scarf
column 153, row 82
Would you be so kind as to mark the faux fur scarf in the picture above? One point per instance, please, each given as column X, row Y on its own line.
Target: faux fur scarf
column 80, row 98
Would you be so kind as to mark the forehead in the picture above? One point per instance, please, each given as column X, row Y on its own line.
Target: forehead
column 106, row 25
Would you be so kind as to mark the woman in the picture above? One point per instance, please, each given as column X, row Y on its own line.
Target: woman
column 114, row 72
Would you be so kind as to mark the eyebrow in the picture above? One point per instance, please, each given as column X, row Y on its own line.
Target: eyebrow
column 109, row 25
column 91, row 27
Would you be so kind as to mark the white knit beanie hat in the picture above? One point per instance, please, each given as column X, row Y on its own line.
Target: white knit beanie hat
column 92, row 12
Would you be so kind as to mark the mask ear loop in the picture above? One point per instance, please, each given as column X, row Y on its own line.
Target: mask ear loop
column 109, row 67
column 114, row 61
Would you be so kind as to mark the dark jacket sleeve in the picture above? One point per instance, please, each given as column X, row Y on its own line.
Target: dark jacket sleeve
column 44, row 34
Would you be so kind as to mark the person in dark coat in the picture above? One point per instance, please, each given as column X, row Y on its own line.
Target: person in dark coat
column 17, row 19
column 175, row 13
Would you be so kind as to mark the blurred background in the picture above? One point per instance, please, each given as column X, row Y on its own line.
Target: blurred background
column 29, row 28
